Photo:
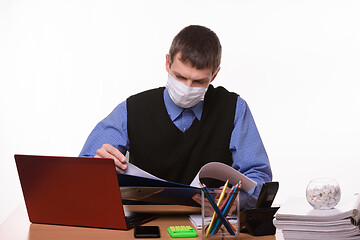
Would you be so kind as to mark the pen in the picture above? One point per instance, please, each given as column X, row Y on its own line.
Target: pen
column 218, row 203
column 217, row 210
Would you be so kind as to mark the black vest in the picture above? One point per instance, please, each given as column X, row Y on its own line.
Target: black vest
column 160, row 148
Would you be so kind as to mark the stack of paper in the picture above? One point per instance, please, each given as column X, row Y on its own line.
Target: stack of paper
column 196, row 220
column 298, row 220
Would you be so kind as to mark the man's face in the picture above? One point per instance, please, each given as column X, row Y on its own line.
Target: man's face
column 187, row 74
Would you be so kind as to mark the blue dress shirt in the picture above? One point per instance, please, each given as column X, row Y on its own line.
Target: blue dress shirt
column 248, row 152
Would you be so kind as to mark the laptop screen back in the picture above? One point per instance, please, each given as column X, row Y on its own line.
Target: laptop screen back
column 71, row 191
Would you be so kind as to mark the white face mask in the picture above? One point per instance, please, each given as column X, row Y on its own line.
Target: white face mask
column 182, row 95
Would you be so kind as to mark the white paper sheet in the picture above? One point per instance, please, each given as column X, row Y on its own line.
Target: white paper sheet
column 214, row 170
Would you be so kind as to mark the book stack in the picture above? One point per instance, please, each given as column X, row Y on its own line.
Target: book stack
column 297, row 219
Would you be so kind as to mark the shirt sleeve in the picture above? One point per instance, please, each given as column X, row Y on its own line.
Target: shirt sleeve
column 112, row 130
column 248, row 152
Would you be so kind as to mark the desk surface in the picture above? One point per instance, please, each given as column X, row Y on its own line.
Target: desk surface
column 17, row 226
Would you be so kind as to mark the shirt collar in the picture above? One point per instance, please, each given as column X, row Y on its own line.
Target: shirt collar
column 174, row 110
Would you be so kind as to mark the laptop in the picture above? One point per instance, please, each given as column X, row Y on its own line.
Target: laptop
column 74, row 191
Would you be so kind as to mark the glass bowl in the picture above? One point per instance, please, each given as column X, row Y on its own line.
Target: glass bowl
column 323, row 193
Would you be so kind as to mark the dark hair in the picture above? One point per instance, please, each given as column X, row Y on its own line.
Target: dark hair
column 198, row 45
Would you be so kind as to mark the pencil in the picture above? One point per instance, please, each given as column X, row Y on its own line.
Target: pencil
column 227, row 198
column 224, row 204
column 218, row 224
column 217, row 210
column 227, row 208
column 218, row 203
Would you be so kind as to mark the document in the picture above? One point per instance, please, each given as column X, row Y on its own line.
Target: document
column 140, row 187
column 196, row 220
column 296, row 209
column 298, row 220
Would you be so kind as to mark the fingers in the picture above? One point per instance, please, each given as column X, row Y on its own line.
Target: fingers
column 108, row 151
column 197, row 198
column 208, row 208
column 120, row 159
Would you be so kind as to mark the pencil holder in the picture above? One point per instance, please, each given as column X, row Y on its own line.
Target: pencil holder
column 227, row 224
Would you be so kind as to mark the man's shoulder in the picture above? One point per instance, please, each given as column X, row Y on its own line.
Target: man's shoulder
column 148, row 93
column 222, row 91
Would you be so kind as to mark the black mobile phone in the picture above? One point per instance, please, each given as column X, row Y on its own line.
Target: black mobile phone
column 147, row 232
column 267, row 194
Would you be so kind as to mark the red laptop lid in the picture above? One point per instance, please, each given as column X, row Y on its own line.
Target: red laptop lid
column 71, row 191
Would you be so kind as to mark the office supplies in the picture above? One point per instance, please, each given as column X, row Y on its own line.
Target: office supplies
column 258, row 221
column 218, row 203
column 196, row 220
column 267, row 194
column 146, row 232
column 181, row 231
column 217, row 220
column 217, row 210
column 74, row 191
column 140, row 186
column 227, row 198
column 233, row 219
column 227, row 207
column 298, row 219
column 223, row 172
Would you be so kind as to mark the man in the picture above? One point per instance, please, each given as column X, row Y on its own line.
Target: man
column 172, row 132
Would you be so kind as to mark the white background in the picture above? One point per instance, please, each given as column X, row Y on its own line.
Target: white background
column 64, row 66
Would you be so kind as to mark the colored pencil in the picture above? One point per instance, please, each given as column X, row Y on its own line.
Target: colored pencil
column 218, row 203
column 217, row 210
column 227, row 208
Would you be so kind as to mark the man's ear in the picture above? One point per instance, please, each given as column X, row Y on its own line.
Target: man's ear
column 167, row 63
column 214, row 76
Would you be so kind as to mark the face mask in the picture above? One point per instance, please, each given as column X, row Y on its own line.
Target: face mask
column 182, row 95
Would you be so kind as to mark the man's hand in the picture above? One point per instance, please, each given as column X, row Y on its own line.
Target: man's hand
column 108, row 151
column 208, row 208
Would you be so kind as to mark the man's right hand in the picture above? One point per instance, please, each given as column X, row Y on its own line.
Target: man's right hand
column 108, row 151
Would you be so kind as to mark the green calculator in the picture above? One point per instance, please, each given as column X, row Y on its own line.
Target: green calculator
column 181, row 231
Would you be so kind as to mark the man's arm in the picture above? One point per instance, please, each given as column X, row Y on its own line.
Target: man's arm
column 249, row 155
column 109, row 139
